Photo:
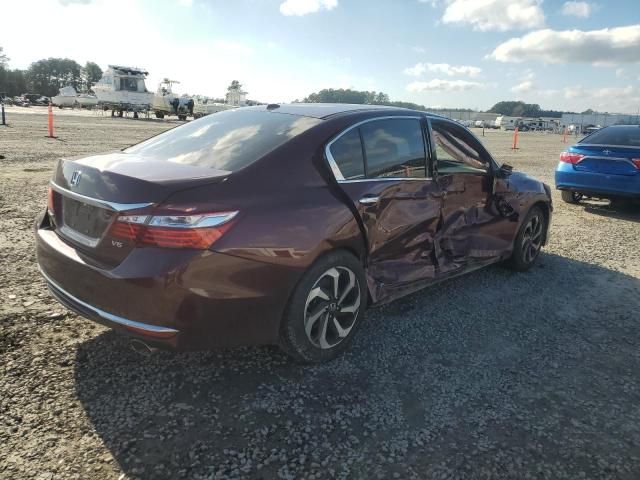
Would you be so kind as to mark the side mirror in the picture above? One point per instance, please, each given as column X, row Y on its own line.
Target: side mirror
column 500, row 179
column 504, row 170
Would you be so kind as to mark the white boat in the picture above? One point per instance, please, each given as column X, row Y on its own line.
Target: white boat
column 167, row 102
column 123, row 88
column 206, row 106
column 66, row 97
column 87, row 101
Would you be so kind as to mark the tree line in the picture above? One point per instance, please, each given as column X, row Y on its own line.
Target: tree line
column 47, row 76
column 509, row 108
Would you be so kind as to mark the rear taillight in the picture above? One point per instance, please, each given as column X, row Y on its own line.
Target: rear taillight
column 173, row 231
column 636, row 162
column 569, row 157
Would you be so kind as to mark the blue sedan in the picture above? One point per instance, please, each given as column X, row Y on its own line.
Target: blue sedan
column 604, row 164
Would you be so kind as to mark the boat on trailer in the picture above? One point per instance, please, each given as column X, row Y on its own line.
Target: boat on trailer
column 123, row 89
column 65, row 98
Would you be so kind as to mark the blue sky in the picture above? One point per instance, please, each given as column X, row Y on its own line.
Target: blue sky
column 441, row 53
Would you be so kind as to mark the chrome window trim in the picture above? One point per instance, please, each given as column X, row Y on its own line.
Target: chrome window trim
column 113, row 206
column 336, row 170
column 106, row 315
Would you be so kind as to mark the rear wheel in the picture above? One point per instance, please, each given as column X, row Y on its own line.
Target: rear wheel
column 159, row 115
column 526, row 248
column 325, row 309
column 571, row 196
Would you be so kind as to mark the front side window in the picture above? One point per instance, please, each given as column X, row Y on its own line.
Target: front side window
column 456, row 149
column 394, row 148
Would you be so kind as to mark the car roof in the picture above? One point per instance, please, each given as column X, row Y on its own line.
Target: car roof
column 325, row 110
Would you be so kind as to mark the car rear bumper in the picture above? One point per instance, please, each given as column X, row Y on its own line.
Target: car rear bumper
column 567, row 178
column 181, row 300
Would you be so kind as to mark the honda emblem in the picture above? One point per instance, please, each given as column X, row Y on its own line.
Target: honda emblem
column 75, row 178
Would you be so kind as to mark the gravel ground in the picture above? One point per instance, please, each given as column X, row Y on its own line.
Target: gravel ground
column 492, row 375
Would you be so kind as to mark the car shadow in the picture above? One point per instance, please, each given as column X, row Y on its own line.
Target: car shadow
column 495, row 368
column 628, row 211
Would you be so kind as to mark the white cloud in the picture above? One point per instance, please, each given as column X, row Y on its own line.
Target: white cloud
column 419, row 49
column 500, row 15
column 606, row 99
column 523, row 87
column 415, row 71
column 438, row 85
column 608, row 46
column 576, row 9
column 303, row 7
column 620, row 73
column 451, row 70
column 76, row 2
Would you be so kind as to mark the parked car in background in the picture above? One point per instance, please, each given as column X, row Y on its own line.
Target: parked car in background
column 604, row 164
column 280, row 224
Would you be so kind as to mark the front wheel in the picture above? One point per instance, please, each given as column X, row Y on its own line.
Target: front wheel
column 528, row 242
column 325, row 309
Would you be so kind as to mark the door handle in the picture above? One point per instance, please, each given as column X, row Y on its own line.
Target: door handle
column 369, row 200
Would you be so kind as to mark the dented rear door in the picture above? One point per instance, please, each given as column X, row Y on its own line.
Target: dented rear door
column 381, row 165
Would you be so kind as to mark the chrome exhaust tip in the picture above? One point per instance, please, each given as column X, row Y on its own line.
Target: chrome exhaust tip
column 142, row 348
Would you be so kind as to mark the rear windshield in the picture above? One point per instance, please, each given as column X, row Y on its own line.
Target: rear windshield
column 228, row 140
column 623, row 136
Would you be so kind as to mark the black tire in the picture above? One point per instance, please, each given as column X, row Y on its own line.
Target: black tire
column 159, row 115
column 308, row 348
column 182, row 117
column 571, row 196
column 530, row 236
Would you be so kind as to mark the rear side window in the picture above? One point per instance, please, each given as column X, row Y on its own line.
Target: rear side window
column 228, row 140
column 347, row 153
column 394, row 148
column 623, row 136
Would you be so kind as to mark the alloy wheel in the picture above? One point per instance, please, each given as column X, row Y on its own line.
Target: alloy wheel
column 532, row 238
column 332, row 307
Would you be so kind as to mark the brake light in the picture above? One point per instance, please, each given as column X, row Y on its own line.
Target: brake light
column 636, row 162
column 569, row 157
column 173, row 231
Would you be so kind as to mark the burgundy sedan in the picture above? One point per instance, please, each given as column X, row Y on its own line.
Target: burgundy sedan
column 280, row 224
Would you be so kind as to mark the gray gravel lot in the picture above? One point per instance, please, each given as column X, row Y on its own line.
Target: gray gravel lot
column 492, row 375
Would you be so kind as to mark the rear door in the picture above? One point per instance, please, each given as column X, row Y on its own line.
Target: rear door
column 381, row 165
column 472, row 231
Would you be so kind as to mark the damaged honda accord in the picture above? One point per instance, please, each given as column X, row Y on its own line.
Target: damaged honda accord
column 280, row 224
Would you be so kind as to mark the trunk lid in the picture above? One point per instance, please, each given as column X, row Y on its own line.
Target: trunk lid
column 89, row 193
column 609, row 160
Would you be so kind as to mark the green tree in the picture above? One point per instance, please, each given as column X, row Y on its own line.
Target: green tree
column 4, row 60
column 235, row 85
column 47, row 76
column 91, row 73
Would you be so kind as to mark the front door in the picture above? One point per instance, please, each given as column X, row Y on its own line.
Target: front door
column 472, row 231
column 384, row 165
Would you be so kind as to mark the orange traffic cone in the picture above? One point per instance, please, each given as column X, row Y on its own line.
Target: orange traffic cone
column 51, row 121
